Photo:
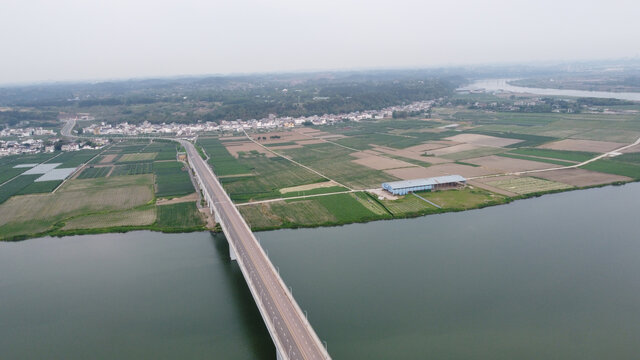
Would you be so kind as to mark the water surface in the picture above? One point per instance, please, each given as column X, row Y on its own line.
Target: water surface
column 552, row 277
column 503, row 85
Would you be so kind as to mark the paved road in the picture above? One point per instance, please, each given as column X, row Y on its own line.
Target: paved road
column 286, row 322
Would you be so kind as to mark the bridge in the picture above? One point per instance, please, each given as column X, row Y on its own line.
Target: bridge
column 291, row 332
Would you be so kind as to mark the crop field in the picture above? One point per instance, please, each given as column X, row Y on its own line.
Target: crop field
column 181, row 215
column 7, row 163
column 40, row 187
column 137, row 157
column 15, row 186
column 270, row 175
column 527, row 185
column 616, row 166
column 171, row 179
column 220, row 159
column 538, row 159
column 470, row 154
column 75, row 158
column 322, row 190
column 94, row 172
column 575, row 156
column 164, row 150
column 133, row 169
column 134, row 217
column 335, row 163
column 36, row 213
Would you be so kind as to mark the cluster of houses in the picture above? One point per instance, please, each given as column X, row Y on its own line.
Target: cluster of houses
column 34, row 146
column 270, row 122
column 25, row 132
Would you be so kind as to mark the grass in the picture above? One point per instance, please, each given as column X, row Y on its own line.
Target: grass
column 135, row 217
column 181, row 215
column 221, row 160
column 345, row 207
column 39, row 213
column 94, row 172
column 528, row 185
column 137, row 157
column 576, row 156
column 171, row 179
column 133, row 169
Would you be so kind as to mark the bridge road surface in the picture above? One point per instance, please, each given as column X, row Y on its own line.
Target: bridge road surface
column 291, row 332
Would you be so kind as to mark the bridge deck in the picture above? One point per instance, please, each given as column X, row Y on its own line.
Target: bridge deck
column 291, row 332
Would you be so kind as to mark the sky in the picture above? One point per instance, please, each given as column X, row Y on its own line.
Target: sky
column 68, row 40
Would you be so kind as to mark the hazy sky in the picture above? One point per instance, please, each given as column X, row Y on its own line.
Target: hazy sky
column 44, row 40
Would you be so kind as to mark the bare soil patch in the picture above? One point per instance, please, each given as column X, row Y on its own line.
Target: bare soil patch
column 432, row 145
column 245, row 146
column 438, row 170
column 494, row 189
column 484, row 140
column 412, row 155
column 382, row 163
column 580, row 177
column 309, row 142
column 498, row 164
column 188, row 198
column 284, row 147
column 633, row 149
column 383, row 194
column 108, row 158
column 308, row 187
column 452, row 149
column 583, row 145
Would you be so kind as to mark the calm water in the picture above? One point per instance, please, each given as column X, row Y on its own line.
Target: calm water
column 553, row 277
column 501, row 84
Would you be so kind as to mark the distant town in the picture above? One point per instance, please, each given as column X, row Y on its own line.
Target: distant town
column 270, row 122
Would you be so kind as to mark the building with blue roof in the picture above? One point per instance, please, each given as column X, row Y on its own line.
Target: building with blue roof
column 435, row 183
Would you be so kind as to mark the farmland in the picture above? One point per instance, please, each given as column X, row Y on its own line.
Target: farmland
column 172, row 179
column 94, row 172
column 179, row 216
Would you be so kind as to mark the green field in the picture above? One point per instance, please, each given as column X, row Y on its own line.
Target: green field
column 576, row 156
column 133, row 169
column 335, row 163
column 616, row 167
column 40, row 187
column 181, row 215
column 137, row 157
column 75, row 158
column 15, row 186
column 171, row 179
column 221, row 160
column 269, row 175
column 322, row 190
column 94, row 172
column 539, row 159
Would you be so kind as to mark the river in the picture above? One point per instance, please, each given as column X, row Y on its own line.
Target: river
column 550, row 277
column 503, row 85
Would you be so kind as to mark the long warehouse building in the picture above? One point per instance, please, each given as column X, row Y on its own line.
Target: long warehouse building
column 435, row 183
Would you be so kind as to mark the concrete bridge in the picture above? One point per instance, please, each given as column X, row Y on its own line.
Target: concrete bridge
column 292, row 334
